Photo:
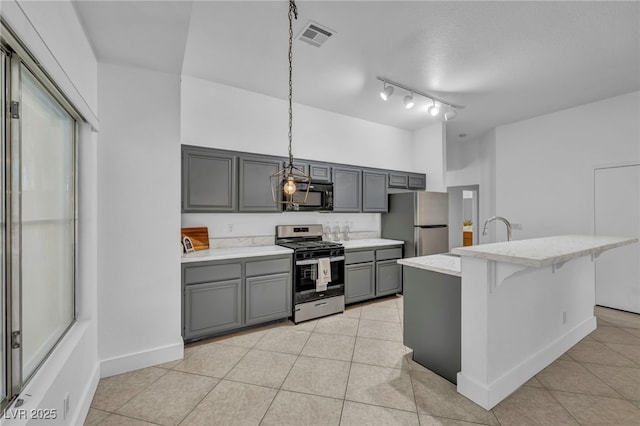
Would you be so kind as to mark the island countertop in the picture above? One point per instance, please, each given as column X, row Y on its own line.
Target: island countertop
column 445, row 264
column 546, row 251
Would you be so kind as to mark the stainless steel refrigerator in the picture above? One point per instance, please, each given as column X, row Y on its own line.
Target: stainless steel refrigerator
column 420, row 220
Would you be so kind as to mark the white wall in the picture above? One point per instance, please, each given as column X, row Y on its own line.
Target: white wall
column 429, row 155
column 544, row 166
column 219, row 116
column 55, row 37
column 139, row 200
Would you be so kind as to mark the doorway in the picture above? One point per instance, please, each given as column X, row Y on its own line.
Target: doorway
column 463, row 215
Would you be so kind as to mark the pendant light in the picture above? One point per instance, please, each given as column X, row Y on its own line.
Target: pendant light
column 285, row 182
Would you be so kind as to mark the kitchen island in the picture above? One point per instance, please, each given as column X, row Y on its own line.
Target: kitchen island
column 523, row 304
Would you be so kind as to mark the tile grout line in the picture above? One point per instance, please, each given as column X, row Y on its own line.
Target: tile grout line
column 288, row 373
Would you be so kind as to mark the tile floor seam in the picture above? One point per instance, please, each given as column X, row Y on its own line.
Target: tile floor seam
column 199, row 402
column 137, row 393
column 562, row 405
column 620, row 353
column 623, row 397
column 602, row 381
column 288, row 373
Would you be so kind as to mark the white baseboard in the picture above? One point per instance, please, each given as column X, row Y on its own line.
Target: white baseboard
column 135, row 361
column 487, row 396
column 85, row 399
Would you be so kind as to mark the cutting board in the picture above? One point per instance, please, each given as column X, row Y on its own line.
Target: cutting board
column 199, row 237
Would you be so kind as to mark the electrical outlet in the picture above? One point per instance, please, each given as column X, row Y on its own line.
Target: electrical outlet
column 65, row 406
column 517, row 226
column 230, row 228
column 564, row 317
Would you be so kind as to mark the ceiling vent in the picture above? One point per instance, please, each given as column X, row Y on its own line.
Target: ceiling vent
column 315, row 34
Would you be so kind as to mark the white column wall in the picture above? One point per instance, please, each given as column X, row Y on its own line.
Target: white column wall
column 429, row 155
column 139, row 200
column 53, row 34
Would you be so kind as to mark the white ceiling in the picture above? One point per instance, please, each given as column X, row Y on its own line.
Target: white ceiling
column 505, row 61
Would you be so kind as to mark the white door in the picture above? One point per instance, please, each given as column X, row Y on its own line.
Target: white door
column 617, row 213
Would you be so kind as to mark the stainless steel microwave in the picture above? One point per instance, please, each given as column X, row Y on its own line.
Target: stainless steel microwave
column 320, row 197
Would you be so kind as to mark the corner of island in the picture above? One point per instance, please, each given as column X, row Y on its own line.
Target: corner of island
column 521, row 304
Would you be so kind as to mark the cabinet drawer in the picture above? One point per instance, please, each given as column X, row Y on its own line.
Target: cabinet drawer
column 269, row 266
column 390, row 253
column 209, row 273
column 359, row 257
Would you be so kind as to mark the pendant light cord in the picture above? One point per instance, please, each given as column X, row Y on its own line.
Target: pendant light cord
column 293, row 14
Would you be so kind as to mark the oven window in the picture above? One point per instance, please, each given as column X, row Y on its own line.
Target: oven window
column 306, row 276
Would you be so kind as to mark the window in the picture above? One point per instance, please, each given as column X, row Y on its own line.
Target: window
column 38, row 212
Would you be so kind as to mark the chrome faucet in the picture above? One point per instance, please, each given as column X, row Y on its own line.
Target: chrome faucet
column 506, row 222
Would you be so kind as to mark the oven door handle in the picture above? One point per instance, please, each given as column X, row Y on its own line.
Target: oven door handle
column 337, row 258
column 307, row 262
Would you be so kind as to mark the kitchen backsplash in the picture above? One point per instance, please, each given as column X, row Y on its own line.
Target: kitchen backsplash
column 258, row 229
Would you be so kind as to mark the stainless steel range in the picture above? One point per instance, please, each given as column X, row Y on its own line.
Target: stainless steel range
column 318, row 271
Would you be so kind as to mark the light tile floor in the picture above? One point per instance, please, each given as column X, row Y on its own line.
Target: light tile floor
column 352, row 369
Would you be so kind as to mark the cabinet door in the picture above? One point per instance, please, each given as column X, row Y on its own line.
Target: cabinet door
column 417, row 181
column 388, row 277
column 268, row 298
column 208, row 180
column 255, row 184
column 320, row 172
column 213, row 307
column 398, row 180
column 359, row 282
column 347, row 190
column 374, row 192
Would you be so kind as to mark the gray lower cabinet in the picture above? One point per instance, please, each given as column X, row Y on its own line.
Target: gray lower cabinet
column 255, row 184
column 268, row 298
column 374, row 192
column 225, row 295
column 359, row 282
column 347, row 189
column 209, row 181
column 372, row 272
column 212, row 307
column 388, row 277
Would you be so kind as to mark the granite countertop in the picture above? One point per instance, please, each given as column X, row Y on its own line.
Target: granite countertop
column 369, row 242
column 442, row 263
column 542, row 252
column 234, row 253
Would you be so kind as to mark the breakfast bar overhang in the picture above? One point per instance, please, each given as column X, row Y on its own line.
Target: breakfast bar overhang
column 524, row 303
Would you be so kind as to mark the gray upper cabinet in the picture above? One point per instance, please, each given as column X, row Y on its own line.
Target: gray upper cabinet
column 255, row 184
column 208, row 180
column 417, row 181
column 374, row 191
column 320, row 172
column 347, row 189
column 398, row 180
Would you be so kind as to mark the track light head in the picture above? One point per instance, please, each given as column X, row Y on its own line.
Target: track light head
column 408, row 101
column 450, row 115
column 433, row 110
column 386, row 92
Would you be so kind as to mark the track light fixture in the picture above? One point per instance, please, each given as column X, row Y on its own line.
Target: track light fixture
column 409, row 99
column 387, row 91
column 450, row 115
column 434, row 109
